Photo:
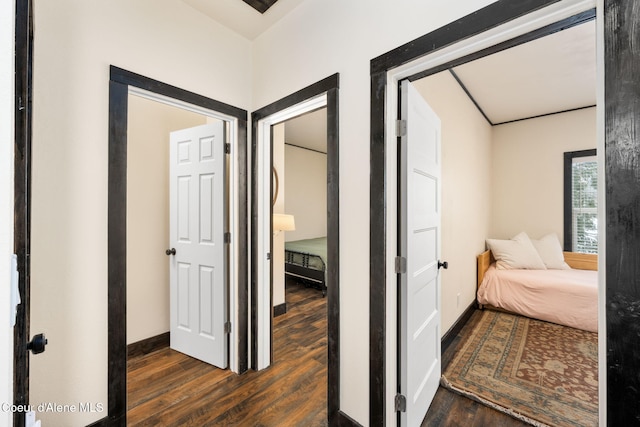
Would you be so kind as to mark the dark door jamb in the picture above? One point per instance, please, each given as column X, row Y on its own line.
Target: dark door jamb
column 22, row 200
column 119, row 83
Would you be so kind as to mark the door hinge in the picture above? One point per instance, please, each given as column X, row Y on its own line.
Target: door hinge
column 20, row 104
column 227, row 148
column 401, row 265
column 401, row 403
column 227, row 327
column 268, row 255
column 227, row 237
column 401, row 127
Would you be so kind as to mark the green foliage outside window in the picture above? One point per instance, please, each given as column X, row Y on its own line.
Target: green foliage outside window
column 585, row 204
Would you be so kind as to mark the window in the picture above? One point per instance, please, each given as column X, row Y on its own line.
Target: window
column 581, row 201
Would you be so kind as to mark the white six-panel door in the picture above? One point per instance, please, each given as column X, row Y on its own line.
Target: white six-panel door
column 420, row 247
column 198, row 301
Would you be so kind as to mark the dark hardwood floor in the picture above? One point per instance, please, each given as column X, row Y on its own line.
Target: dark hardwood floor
column 451, row 409
column 167, row 388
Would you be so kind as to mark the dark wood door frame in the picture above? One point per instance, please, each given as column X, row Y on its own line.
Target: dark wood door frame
column 119, row 83
column 22, row 200
column 330, row 86
column 622, row 162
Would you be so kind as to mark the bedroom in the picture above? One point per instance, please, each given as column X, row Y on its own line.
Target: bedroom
column 500, row 179
column 509, row 175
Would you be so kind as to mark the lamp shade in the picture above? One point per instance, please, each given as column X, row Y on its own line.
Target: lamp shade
column 283, row 222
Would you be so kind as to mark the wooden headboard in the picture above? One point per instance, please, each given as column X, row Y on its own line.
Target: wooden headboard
column 574, row 259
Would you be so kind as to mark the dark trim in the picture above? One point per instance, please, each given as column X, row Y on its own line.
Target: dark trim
column 119, row 83
column 148, row 345
column 260, row 5
column 454, row 330
column 491, row 16
column 567, row 187
column 473, row 100
column 280, row 309
column 622, row 190
column 117, row 254
column 22, row 199
column 546, row 114
column 305, row 148
column 329, row 86
column 378, row 254
column 343, row 420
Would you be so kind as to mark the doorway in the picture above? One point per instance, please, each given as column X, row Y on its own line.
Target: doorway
column 150, row 215
column 321, row 94
column 121, row 83
column 494, row 27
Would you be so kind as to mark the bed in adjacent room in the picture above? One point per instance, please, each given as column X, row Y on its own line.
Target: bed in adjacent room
column 566, row 293
column 306, row 260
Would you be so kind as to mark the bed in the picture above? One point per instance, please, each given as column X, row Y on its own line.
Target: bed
column 567, row 296
column 306, row 260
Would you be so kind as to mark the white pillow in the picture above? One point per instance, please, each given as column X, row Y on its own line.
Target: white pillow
column 550, row 252
column 517, row 253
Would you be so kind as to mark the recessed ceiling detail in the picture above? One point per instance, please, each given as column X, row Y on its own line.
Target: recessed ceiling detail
column 260, row 5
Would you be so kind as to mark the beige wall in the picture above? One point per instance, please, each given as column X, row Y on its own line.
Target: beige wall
column 527, row 175
column 75, row 42
column 149, row 125
column 306, row 188
column 466, row 190
column 7, row 36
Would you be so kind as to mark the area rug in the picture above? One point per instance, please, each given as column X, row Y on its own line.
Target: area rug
column 542, row 373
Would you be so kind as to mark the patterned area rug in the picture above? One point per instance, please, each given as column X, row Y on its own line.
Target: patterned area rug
column 542, row 373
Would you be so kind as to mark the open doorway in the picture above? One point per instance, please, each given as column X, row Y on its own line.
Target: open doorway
column 157, row 132
column 317, row 96
column 426, row 56
column 122, row 82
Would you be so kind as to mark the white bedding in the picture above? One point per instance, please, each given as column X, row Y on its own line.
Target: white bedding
column 566, row 297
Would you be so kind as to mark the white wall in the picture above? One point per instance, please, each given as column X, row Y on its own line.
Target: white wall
column 7, row 36
column 528, row 171
column 466, row 190
column 306, row 188
column 149, row 124
column 317, row 39
column 75, row 42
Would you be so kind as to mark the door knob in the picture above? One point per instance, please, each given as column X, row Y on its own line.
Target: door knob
column 444, row 265
column 171, row 251
column 37, row 344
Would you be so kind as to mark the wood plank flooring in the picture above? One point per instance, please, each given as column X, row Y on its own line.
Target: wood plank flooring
column 167, row 388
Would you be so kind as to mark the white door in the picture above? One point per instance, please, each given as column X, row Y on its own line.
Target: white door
column 419, row 249
column 198, row 301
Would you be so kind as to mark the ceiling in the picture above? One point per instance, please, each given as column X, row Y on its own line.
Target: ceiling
column 549, row 75
column 243, row 18
column 308, row 131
